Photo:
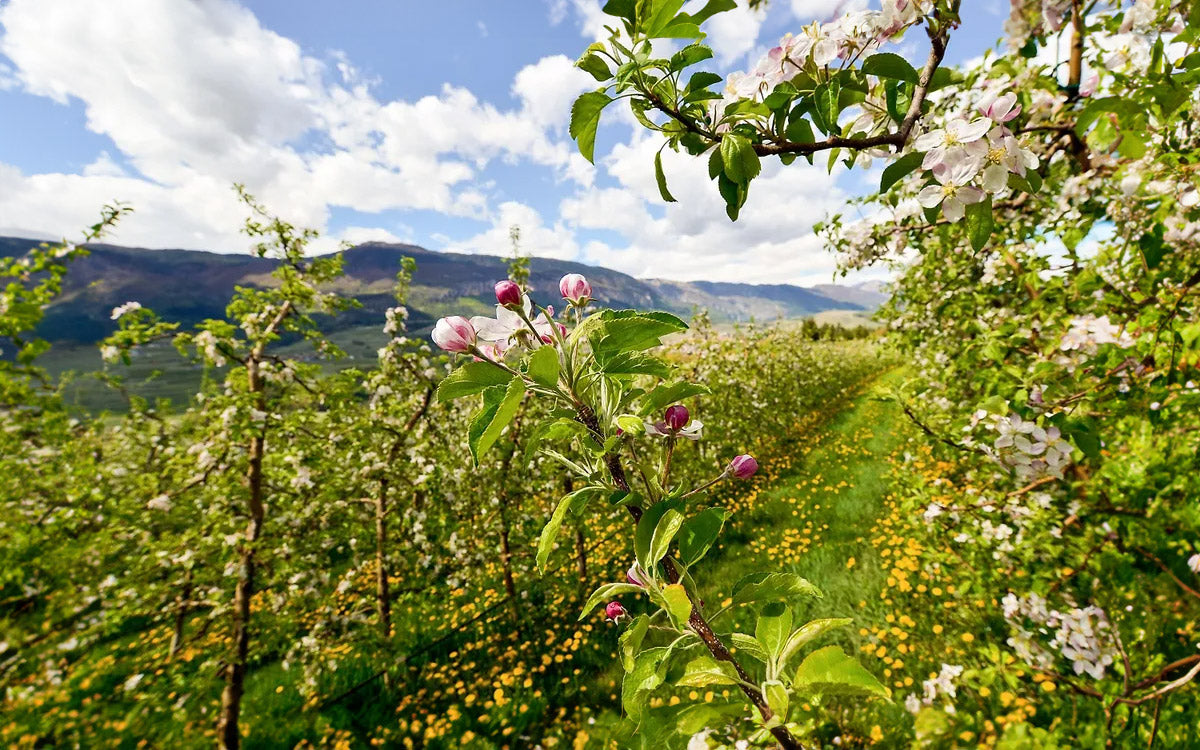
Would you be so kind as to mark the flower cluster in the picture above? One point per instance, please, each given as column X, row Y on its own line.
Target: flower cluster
column 850, row 38
column 1089, row 332
column 1083, row 636
column 125, row 309
column 940, row 684
column 1029, row 449
column 971, row 158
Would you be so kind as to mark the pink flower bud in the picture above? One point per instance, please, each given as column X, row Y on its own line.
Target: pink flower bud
column 677, row 417
column 454, row 334
column 508, row 293
column 1001, row 109
column 614, row 611
column 575, row 289
column 1088, row 87
column 743, row 467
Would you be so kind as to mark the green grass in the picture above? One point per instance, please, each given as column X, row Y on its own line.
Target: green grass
column 851, row 457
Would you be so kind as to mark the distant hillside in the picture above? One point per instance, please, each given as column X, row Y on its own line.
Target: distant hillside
column 189, row 286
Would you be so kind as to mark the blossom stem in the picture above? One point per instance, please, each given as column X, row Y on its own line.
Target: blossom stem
column 709, row 483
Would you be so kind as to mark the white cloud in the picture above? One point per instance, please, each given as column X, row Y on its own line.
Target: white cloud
column 537, row 238
column 198, row 95
column 807, row 11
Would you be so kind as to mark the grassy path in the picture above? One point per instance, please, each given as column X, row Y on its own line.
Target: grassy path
column 816, row 517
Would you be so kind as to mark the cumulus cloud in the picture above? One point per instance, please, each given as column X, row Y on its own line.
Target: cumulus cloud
column 195, row 96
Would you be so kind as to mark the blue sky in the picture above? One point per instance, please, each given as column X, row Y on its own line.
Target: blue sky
column 439, row 123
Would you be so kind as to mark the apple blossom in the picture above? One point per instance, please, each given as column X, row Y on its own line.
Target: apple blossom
column 743, row 466
column 508, row 293
column 575, row 289
column 953, row 193
column 454, row 334
column 676, row 417
column 614, row 611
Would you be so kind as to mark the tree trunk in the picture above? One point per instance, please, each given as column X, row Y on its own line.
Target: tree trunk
column 235, row 672
column 181, row 610
column 581, row 555
column 383, row 596
column 506, row 563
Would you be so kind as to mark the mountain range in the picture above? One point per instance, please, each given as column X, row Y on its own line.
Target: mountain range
column 189, row 285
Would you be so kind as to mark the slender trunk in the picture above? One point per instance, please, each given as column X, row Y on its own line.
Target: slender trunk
column 581, row 555
column 506, row 564
column 1075, row 66
column 181, row 610
column 235, row 672
column 382, row 595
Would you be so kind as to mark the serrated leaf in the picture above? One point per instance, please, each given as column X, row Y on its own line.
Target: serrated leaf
column 571, row 502
column 809, row 632
column 661, row 178
column 664, row 532
column 705, row 671
column 741, row 162
column 890, row 65
column 828, row 671
column 644, row 676
column 760, row 587
column 585, row 118
column 777, row 698
column 679, row 606
column 543, row 366
column 688, row 56
column 749, row 645
column 699, row 533
column 979, row 223
column 772, row 628
column 494, row 417
column 826, row 107
column 470, row 379
column 606, row 592
column 630, row 641
column 665, row 395
column 899, row 169
column 595, row 65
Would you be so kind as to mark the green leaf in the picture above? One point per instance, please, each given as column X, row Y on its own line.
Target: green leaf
column 497, row 412
column 899, row 169
column 643, row 537
column 470, row 379
column 621, row 332
column 543, row 366
column 665, row 395
column 661, row 179
column 643, row 677
column 585, row 118
column 679, row 606
column 664, row 533
column 762, row 587
column 634, row 363
column 828, row 671
column 798, row 129
column 890, row 65
column 749, row 645
column 701, row 81
column 699, row 533
column 630, row 641
column 777, row 698
column 825, row 106
column 553, row 430
column 979, row 223
column 710, row 9
column 705, row 671
column 606, row 592
column 772, row 628
column 689, row 55
column 626, row 9
column 595, row 65
column 809, row 632
column 572, row 502
column 661, row 14
column 741, row 162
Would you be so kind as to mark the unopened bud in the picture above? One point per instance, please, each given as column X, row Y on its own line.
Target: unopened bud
column 614, row 611
column 743, row 467
column 677, row 417
column 508, row 293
